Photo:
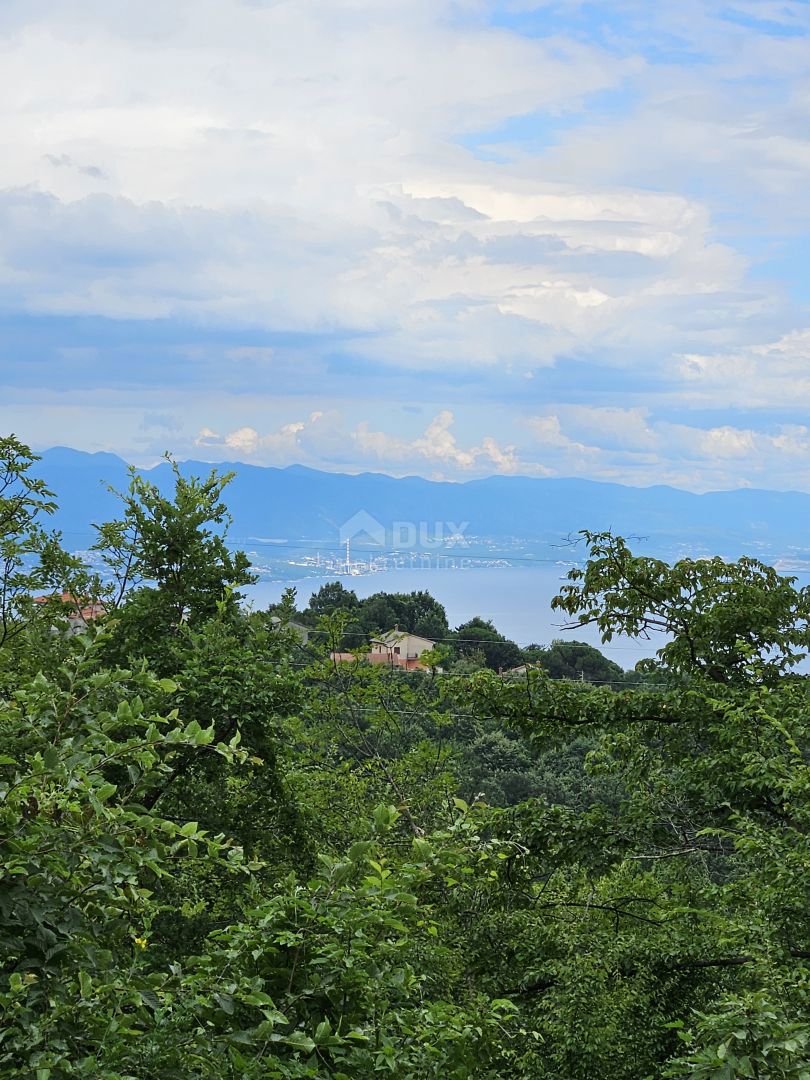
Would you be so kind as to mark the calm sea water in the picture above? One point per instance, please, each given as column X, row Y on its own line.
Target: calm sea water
column 516, row 599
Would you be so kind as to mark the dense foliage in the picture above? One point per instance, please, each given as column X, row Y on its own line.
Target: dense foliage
column 223, row 853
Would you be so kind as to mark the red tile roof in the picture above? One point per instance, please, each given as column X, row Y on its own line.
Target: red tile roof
column 82, row 607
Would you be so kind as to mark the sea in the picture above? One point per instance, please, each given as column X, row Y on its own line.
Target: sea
column 516, row 598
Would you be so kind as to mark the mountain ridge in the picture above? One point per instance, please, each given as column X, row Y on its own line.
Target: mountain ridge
column 298, row 502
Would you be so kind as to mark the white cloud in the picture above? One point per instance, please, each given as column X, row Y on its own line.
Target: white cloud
column 548, row 432
column 297, row 166
column 611, row 426
column 654, row 451
column 731, row 122
column 246, row 439
column 759, row 376
column 303, row 166
column 727, row 442
column 437, row 447
column 278, row 447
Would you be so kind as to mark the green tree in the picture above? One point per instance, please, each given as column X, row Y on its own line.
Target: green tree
column 32, row 561
column 717, row 615
column 480, row 636
column 763, row 1033
column 331, row 598
column 264, row 864
column 169, row 560
column 676, row 890
column 80, row 862
column 415, row 612
column 574, row 660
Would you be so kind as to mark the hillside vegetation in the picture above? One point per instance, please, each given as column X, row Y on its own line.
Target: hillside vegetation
column 224, row 854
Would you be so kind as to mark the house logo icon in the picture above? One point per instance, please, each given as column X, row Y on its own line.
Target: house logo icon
column 363, row 527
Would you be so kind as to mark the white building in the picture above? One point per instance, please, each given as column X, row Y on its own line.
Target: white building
column 400, row 649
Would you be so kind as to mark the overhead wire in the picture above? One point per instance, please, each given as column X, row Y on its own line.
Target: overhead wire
column 508, row 641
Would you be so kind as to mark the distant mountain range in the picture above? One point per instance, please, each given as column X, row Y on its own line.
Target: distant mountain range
column 504, row 513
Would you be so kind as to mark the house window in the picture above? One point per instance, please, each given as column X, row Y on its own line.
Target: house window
column 396, row 650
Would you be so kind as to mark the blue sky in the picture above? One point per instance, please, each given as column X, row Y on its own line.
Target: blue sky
column 445, row 237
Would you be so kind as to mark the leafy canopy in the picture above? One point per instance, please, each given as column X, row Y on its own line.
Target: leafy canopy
column 718, row 616
column 223, row 854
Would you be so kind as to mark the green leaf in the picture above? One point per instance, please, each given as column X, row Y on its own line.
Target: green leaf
column 384, row 817
column 225, row 1002
column 300, row 1041
column 422, row 848
column 360, row 849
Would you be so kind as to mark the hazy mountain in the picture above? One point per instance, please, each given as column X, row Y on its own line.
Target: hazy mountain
column 298, row 503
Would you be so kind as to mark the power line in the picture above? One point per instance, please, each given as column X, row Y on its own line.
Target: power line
column 508, row 641
column 613, row 683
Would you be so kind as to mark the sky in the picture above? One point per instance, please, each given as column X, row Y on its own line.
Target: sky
column 450, row 238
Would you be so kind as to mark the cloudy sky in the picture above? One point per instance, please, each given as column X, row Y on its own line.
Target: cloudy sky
column 445, row 237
